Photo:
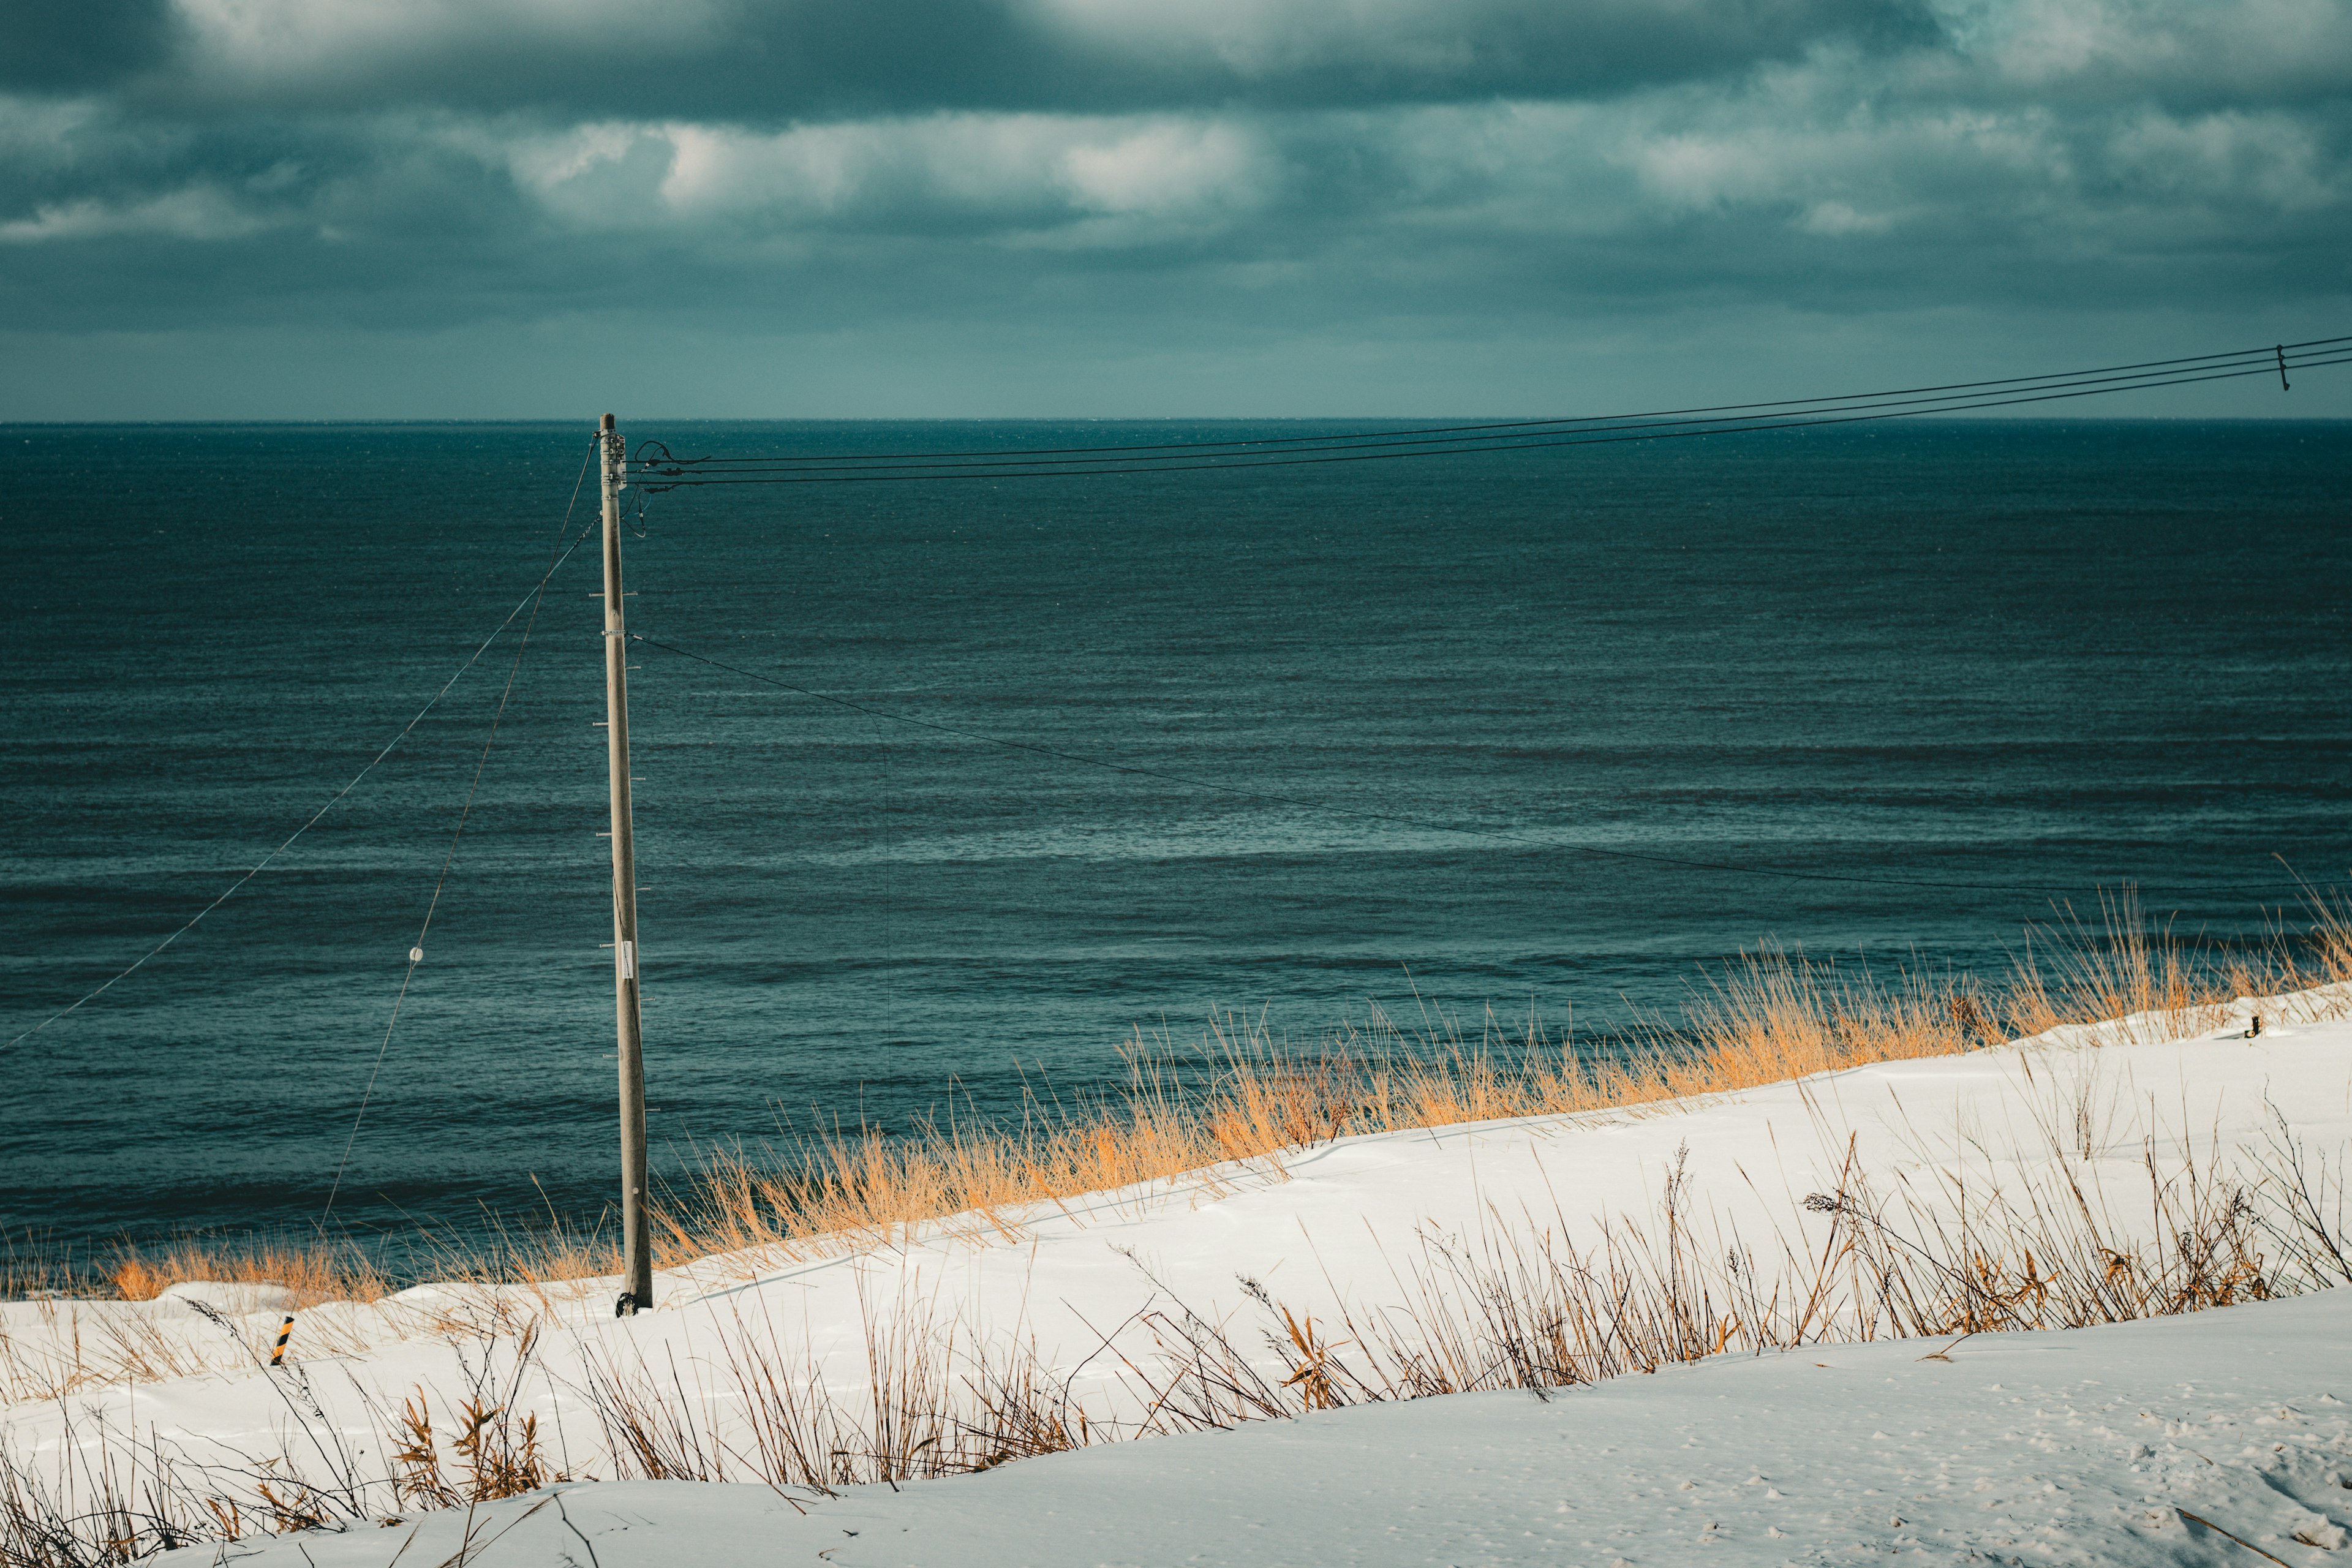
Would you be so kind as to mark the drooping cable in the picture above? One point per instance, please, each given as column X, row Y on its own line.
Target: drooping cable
column 657, row 480
column 526, row 603
column 416, row 950
column 658, row 470
column 2278, row 349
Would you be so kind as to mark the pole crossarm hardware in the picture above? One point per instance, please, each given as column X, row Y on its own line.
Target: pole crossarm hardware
column 636, row 1253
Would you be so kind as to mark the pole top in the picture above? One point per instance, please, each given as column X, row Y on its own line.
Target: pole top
column 608, row 423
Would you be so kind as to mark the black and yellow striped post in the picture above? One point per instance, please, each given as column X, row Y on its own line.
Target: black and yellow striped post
column 285, row 1333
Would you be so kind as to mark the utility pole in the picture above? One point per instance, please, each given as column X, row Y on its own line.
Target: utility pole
column 637, row 1252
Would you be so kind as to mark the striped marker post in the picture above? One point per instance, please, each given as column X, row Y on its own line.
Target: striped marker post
column 285, row 1333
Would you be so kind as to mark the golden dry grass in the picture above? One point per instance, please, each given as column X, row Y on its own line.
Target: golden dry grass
column 2018, row 1238
column 2005, row 1244
column 311, row 1272
column 1767, row 1018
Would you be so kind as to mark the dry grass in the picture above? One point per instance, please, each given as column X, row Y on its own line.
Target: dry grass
column 2106, row 1220
column 1767, row 1018
column 2158, row 1223
column 310, row 1269
column 112, row 1499
column 76, row 1337
column 2008, row 1243
column 1245, row 1098
column 310, row 1272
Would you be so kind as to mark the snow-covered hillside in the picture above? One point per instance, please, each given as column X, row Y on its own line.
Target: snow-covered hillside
column 2153, row 1172
column 2136, row 1444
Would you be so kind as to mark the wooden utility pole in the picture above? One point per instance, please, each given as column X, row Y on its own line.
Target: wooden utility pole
column 637, row 1252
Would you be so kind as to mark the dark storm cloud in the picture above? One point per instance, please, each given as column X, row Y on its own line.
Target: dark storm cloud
column 1142, row 172
column 91, row 43
column 728, row 60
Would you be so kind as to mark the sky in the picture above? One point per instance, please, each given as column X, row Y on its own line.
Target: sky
column 1112, row 208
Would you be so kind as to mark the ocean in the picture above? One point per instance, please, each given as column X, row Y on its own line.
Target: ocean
column 1887, row 694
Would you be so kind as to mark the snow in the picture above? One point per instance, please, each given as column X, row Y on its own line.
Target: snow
column 2071, row 1447
column 235, row 1297
column 2049, row 1447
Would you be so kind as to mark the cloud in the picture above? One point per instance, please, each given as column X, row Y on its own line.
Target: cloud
column 194, row 213
column 1144, row 171
column 776, row 60
column 91, row 43
column 2271, row 51
column 971, row 174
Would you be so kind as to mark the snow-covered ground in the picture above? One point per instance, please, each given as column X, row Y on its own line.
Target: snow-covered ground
column 2048, row 1447
column 2081, row 1445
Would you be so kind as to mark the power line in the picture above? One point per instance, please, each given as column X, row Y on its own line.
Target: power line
column 1426, row 824
column 658, row 480
column 667, row 472
column 1579, row 419
column 527, row 601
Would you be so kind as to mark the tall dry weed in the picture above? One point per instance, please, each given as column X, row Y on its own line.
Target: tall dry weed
column 1245, row 1098
column 2108, row 1219
column 1767, row 1018
column 310, row 1270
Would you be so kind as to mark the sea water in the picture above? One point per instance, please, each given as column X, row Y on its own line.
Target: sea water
column 1898, row 692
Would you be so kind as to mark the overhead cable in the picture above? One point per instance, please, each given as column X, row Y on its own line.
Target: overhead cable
column 2277, row 351
column 657, row 468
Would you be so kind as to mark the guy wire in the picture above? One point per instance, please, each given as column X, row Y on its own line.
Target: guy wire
column 416, row 950
column 528, row 600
